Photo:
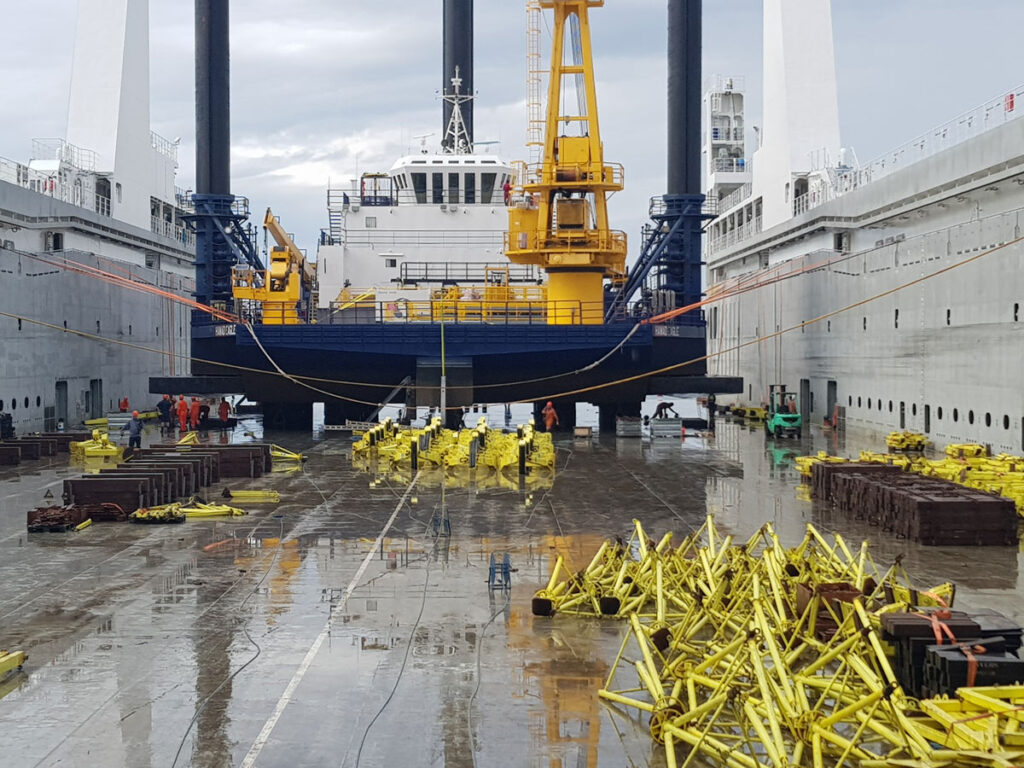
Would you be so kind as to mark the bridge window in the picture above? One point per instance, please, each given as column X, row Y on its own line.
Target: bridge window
column 437, row 187
column 419, row 186
column 470, row 188
column 487, row 187
column 453, row 187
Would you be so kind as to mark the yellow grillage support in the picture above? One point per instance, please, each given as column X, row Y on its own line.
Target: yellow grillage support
column 966, row 464
column 759, row 656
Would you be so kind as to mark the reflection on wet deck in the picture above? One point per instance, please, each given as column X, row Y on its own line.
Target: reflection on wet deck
column 146, row 640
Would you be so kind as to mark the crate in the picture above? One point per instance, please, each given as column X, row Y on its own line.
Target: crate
column 629, row 426
column 584, row 433
column 667, row 428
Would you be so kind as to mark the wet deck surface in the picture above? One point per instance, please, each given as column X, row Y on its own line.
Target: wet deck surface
column 282, row 647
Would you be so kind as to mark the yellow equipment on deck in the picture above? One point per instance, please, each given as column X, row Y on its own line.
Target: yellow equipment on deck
column 98, row 447
column 560, row 222
column 11, row 661
column 280, row 289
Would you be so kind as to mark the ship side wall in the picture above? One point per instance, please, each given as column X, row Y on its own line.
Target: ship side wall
column 942, row 355
column 47, row 373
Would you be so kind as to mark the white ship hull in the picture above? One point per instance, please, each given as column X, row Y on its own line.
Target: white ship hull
column 49, row 375
column 933, row 338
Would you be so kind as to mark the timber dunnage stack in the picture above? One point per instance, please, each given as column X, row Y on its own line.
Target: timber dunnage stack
column 928, row 510
column 151, row 477
column 38, row 446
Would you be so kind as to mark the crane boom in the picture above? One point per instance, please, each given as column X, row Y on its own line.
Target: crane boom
column 284, row 240
column 561, row 221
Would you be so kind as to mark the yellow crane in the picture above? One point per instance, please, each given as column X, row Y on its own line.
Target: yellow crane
column 560, row 221
column 281, row 290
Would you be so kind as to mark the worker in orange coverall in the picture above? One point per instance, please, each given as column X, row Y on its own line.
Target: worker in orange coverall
column 550, row 416
column 182, row 413
column 194, row 413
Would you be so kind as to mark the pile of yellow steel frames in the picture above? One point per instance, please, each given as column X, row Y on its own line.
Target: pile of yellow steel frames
column 277, row 453
column 968, row 464
column 906, row 441
column 480, row 446
column 753, row 655
column 751, row 413
column 177, row 511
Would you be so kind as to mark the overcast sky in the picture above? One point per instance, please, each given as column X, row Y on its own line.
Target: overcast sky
column 323, row 88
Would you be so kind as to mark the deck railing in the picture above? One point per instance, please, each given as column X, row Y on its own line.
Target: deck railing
column 464, row 312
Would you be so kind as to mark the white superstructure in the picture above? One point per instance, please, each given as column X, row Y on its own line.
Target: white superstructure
column 99, row 202
column 888, row 294
column 433, row 218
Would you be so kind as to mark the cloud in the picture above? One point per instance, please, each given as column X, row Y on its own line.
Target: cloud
column 323, row 89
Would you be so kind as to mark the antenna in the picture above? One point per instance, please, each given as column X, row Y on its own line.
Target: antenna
column 423, row 141
column 456, row 137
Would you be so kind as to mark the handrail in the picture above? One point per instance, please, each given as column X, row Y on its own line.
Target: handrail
column 464, row 312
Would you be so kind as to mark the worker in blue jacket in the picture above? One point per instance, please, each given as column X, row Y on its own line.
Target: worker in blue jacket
column 134, row 428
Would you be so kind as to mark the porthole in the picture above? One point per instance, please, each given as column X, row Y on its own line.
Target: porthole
column 829, row 327
column 896, row 319
column 858, row 402
column 988, row 419
column 26, row 402
column 880, row 404
column 890, row 406
column 970, row 417
column 1016, row 312
column 947, row 316
column 39, row 401
column 851, row 401
column 869, row 403
column 1006, row 422
column 14, row 404
column 913, row 409
column 939, row 413
column 956, row 415
column 864, row 321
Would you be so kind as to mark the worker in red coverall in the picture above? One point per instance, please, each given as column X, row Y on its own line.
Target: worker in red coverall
column 182, row 413
column 550, row 416
column 223, row 410
column 123, row 405
column 194, row 413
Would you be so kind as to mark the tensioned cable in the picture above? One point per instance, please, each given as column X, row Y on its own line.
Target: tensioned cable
column 141, row 287
column 580, row 390
column 776, row 334
column 343, row 382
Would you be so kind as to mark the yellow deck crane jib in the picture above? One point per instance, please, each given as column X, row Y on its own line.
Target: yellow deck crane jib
column 280, row 290
column 285, row 242
column 560, row 222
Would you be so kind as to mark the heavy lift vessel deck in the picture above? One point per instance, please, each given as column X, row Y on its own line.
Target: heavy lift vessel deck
column 581, row 344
